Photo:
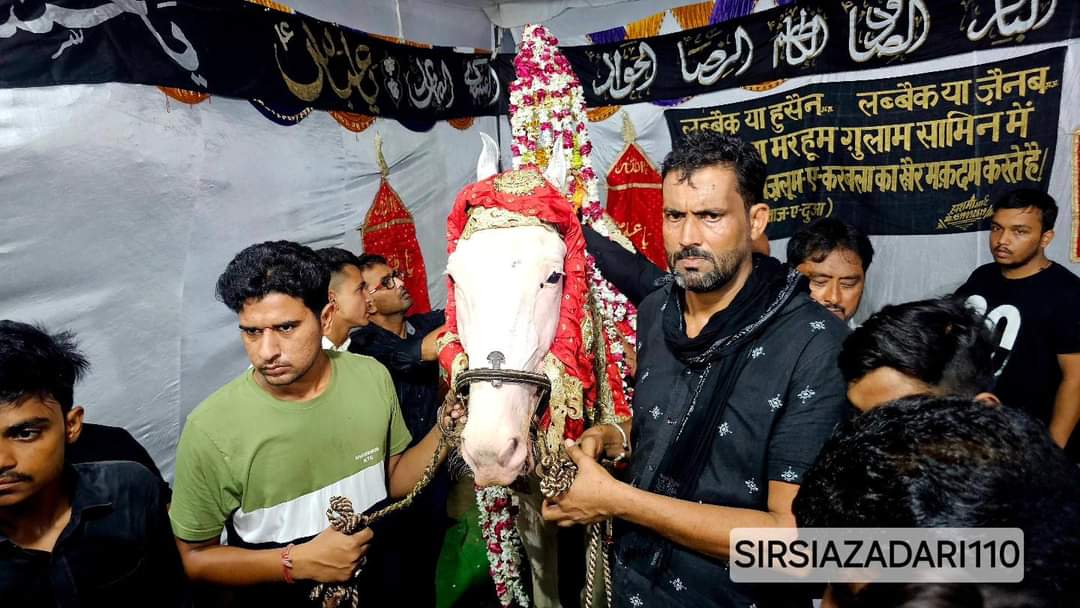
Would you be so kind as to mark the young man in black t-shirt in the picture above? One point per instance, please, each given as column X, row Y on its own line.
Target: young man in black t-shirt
column 1034, row 304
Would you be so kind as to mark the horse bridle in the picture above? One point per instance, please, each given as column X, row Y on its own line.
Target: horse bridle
column 496, row 375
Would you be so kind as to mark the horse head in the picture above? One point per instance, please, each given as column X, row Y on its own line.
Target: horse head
column 516, row 272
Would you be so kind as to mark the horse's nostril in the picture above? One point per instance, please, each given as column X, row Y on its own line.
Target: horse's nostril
column 508, row 452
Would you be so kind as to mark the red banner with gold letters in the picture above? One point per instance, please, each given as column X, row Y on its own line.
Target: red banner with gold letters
column 390, row 232
column 635, row 201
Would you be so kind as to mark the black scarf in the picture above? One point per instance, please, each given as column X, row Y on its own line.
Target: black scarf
column 720, row 351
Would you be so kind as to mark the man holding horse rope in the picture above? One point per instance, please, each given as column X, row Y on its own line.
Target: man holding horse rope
column 737, row 388
column 264, row 455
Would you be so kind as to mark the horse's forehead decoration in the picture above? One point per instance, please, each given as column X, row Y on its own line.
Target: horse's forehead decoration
column 519, row 198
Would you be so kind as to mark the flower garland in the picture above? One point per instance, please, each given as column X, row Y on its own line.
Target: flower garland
column 498, row 512
column 547, row 109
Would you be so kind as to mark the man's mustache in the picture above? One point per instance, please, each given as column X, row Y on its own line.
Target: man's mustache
column 691, row 252
column 14, row 477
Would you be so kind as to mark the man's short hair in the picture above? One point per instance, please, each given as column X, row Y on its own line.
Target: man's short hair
column 941, row 342
column 1022, row 198
column 336, row 258
column 926, row 461
column 275, row 267
column 708, row 148
column 34, row 363
column 367, row 261
column 823, row 236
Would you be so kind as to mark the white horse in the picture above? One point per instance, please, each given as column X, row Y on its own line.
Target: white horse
column 507, row 275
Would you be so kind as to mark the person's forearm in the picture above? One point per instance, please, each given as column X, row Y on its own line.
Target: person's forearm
column 1066, row 411
column 698, row 527
column 232, row 566
column 414, row 461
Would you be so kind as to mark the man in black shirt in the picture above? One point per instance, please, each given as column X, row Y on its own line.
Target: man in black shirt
column 737, row 388
column 1034, row 304
column 406, row 346
column 92, row 534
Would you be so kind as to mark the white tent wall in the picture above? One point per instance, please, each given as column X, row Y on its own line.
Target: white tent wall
column 122, row 208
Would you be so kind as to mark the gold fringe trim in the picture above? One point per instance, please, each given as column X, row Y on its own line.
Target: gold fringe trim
column 565, row 401
column 602, row 113
column 693, row 15
column 768, row 85
column 645, row 28
column 377, row 227
column 632, row 186
column 273, row 5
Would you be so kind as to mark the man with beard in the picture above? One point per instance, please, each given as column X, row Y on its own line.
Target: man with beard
column 737, row 388
column 1034, row 304
column 261, row 457
column 835, row 257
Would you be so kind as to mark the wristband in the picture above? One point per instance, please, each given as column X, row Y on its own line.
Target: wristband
column 286, row 564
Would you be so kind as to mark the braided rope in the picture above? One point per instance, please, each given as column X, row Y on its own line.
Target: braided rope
column 344, row 519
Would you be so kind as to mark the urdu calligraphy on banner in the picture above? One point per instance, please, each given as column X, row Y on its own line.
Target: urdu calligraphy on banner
column 236, row 48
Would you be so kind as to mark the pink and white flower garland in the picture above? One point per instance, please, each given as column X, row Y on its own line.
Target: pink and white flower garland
column 498, row 513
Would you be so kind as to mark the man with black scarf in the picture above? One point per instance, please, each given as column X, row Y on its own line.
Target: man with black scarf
column 737, row 388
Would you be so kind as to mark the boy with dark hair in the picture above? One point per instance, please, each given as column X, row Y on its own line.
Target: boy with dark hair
column 1034, row 304
column 348, row 305
column 835, row 257
column 93, row 534
column 929, row 461
column 262, row 456
column 938, row 347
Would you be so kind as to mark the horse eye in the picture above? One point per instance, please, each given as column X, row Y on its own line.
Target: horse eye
column 554, row 278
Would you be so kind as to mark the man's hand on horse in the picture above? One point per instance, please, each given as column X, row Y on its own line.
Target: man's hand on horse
column 603, row 440
column 589, row 499
column 453, row 414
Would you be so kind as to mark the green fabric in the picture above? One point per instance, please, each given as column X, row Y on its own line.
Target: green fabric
column 462, row 572
column 244, row 449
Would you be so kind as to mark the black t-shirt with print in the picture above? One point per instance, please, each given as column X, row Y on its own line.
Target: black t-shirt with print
column 1035, row 319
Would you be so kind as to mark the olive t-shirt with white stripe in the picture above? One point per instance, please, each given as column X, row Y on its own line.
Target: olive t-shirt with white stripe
column 267, row 468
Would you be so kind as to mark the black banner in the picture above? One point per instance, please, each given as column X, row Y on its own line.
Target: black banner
column 240, row 49
column 924, row 154
column 236, row 48
column 812, row 37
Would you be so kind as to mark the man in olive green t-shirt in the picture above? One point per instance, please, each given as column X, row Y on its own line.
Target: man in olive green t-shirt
column 261, row 457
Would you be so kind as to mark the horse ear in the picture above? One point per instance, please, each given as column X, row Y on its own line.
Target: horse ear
column 557, row 169
column 488, row 163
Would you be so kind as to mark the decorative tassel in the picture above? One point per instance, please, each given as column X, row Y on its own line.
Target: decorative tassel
column 629, row 134
column 384, row 170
